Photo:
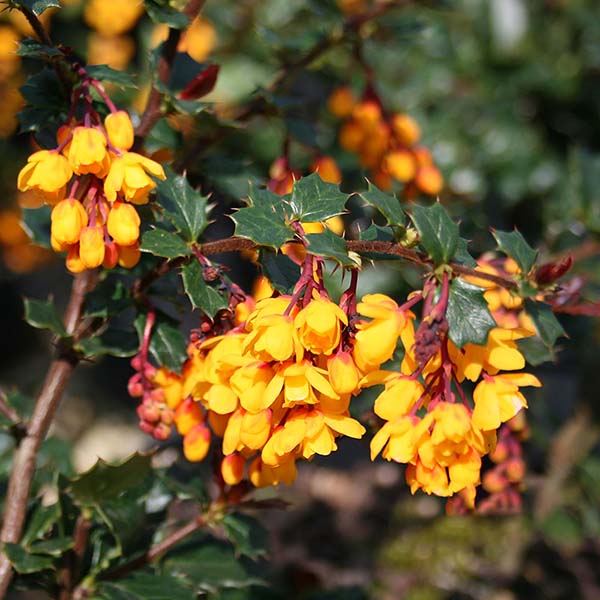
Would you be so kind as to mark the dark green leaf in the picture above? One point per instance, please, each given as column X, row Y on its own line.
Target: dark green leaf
column 468, row 316
column 38, row 6
column 263, row 221
column 110, row 298
column 113, row 342
column 184, row 206
column 463, row 255
column 106, row 74
column 23, row 562
column 388, row 205
column 54, row 547
column 22, row 405
column 31, row 48
column 42, row 314
column 160, row 12
column 547, row 325
column 189, row 107
column 513, row 244
column 41, row 522
column 329, row 245
column 316, row 200
column 45, row 99
column 36, row 222
column 535, row 351
column 302, row 130
column 201, row 295
column 246, row 534
column 104, row 482
column 167, row 344
column 282, row 272
column 147, row 586
column 164, row 243
column 437, row 232
column 162, row 136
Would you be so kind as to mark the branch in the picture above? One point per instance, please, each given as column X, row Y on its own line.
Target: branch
column 36, row 25
column 47, row 403
column 153, row 111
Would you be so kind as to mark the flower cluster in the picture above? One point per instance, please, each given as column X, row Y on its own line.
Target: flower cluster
column 386, row 145
column 92, row 180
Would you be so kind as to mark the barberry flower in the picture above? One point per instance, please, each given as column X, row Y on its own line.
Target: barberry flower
column 46, row 172
column 128, row 175
column 68, row 218
column 87, row 152
column 119, row 130
column 123, row 224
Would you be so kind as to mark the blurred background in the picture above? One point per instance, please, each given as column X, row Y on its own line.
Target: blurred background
column 507, row 96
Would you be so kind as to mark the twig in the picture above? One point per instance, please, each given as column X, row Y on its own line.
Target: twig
column 153, row 111
column 36, row 25
column 47, row 403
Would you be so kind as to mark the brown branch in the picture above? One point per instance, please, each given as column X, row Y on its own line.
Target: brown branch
column 47, row 403
column 36, row 25
column 153, row 110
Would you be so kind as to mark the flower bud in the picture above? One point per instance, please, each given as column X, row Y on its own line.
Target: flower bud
column 69, row 217
column 400, row 164
column 135, row 387
column 161, row 432
column 91, row 247
column 129, row 256
column 515, row 470
column 74, row 262
column 123, row 224
column 429, row 180
column 327, row 169
column 493, row 482
column 406, row 129
column 232, row 468
column 343, row 374
column 188, row 415
column 119, row 129
column 196, row 443
column 341, row 102
column 111, row 255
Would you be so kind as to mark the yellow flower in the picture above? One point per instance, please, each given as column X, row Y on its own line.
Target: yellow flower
column 68, row 217
column 343, row 374
column 498, row 399
column 262, row 475
column 171, row 385
column 406, row 129
column 188, row 415
column 87, row 152
column 73, row 261
column 341, row 102
column 272, row 335
column 91, row 247
column 319, row 325
column 119, row 130
column 129, row 256
column 400, row 164
column 399, row 396
column 128, row 175
column 250, row 382
column 196, row 443
column 47, row 172
column 232, row 468
column 123, row 224
column 398, row 439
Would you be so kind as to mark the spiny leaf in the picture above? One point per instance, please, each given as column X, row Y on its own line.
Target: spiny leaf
column 547, row 325
column 201, row 295
column 43, row 315
column 23, row 562
column 437, row 232
column 37, row 6
column 315, row 200
column 107, row 74
column 386, row 204
column 121, row 343
column 514, row 245
column 329, row 245
column 468, row 315
column 282, row 272
column 33, row 49
column 164, row 243
column 167, row 344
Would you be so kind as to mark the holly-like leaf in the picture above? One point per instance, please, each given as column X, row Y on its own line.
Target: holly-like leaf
column 24, row 562
column 376, row 233
column 535, row 351
column 41, row 522
column 463, row 255
column 316, row 200
column 247, row 535
column 43, row 315
column 160, row 12
column 38, row 6
column 201, row 295
column 31, row 48
column 386, row 204
column 54, row 547
column 167, row 344
column 185, row 207
column 45, row 101
column 104, row 482
column 147, row 586
column 438, row 233
column 121, row 343
column 329, row 245
column 36, row 222
column 282, row 272
column 106, row 74
column 468, row 315
column 547, row 325
column 514, row 245
column 263, row 221
column 109, row 298
column 164, row 243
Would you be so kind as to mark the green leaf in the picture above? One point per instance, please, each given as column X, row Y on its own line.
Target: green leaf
column 468, row 315
column 316, row 200
column 104, row 482
column 388, row 205
column 38, row 6
column 376, row 233
column 160, row 12
column 107, row 74
column 438, row 233
column 535, row 351
column 43, row 315
column 109, row 298
column 263, row 221
column 147, row 586
column 463, row 255
column 45, row 101
column 22, row 405
column 184, row 206
column 513, row 244
column 329, row 245
column 54, row 547
column 36, row 222
column 282, row 272
column 31, row 48
column 23, row 562
column 201, row 295
column 164, row 243
column 210, row 566
column 167, row 344
column 547, row 325
column 189, row 107
column 41, row 522
column 121, row 343
column 246, row 534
